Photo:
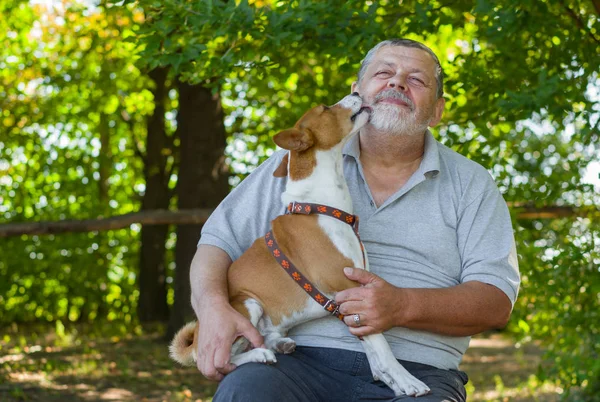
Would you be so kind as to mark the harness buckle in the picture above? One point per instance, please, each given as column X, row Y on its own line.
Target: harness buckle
column 328, row 306
column 291, row 208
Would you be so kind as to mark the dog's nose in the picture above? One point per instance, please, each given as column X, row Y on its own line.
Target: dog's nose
column 355, row 94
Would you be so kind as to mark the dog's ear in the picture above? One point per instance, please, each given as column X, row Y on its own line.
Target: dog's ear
column 293, row 139
column 282, row 169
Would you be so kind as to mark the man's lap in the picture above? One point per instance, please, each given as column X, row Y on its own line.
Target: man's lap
column 321, row 374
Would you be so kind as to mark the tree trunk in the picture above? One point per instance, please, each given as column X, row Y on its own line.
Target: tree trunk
column 201, row 183
column 105, row 170
column 105, row 161
column 152, row 305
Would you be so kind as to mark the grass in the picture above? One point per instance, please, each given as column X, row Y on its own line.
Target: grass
column 81, row 364
column 84, row 367
column 501, row 370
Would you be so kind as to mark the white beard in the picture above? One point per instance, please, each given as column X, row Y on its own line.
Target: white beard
column 397, row 120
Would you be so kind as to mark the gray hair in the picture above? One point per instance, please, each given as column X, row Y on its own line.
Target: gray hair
column 439, row 73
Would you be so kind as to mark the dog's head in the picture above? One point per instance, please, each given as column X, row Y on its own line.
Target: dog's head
column 320, row 129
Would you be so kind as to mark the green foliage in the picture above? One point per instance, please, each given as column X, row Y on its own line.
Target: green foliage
column 67, row 151
column 560, row 300
column 522, row 93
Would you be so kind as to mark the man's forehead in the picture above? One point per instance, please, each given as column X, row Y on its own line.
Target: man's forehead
column 417, row 59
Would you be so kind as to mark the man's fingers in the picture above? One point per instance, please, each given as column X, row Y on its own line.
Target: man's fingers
column 350, row 307
column 251, row 333
column 209, row 371
column 352, row 294
column 222, row 356
column 363, row 330
column 206, row 357
column 228, row 368
column 360, row 275
column 351, row 321
column 214, row 376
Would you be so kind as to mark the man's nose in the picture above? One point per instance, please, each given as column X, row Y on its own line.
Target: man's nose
column 397, row 82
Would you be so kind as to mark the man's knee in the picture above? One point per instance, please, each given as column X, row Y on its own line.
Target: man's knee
column 250, row 382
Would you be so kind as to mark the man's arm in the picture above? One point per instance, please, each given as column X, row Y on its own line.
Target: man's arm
column 488, row 284
column 229, row 231
column 219, row 323
column 462, row 310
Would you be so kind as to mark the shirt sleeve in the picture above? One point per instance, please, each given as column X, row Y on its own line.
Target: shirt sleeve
column 486, row 242
column 246, row 213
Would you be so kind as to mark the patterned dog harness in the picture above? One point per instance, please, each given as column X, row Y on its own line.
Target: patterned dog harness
column 307, row 209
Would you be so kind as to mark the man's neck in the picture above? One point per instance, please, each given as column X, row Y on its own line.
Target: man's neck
column 391, row 151
column 388, row 161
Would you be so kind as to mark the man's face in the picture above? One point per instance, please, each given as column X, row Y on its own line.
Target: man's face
column 400, row 85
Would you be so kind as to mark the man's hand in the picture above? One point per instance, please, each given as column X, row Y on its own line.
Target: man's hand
column 462, row 310
column 377, row 303
column 220, row 325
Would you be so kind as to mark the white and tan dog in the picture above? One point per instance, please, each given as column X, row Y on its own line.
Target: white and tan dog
column 319, row 246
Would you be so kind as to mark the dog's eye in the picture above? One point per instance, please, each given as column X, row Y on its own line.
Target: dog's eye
column 325, row 107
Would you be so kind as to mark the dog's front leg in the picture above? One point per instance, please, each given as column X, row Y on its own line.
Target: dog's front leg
column 258, row 355
column 386, row 368
column 280, row 344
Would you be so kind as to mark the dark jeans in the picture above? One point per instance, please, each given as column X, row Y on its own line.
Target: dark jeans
column 323, row 374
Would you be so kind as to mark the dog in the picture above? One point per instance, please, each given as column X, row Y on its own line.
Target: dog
column 314, row 246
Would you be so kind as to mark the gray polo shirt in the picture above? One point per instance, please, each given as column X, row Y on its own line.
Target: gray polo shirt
column 447, row 225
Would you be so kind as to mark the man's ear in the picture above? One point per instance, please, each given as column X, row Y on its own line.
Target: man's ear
column 438, row 112
column 282, row 169
column 293, row 139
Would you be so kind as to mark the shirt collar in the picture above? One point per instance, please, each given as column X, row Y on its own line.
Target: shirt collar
column 352, row 147
column 430, row 165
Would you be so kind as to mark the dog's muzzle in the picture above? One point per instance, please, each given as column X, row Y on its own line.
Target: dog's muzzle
column 361, row 110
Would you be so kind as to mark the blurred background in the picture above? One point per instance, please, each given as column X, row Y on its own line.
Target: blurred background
column 122, row 124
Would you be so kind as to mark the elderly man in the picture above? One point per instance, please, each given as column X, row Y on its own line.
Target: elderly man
column 438, row 236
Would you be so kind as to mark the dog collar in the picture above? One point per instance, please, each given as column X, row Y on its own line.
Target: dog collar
column 306, row 209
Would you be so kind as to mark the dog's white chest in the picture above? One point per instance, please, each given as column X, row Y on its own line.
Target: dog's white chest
column 343, row 237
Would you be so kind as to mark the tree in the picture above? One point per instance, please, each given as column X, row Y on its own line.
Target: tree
column 65, row 145
column 152, row 304
column 519, row 78
column 522, row 99
column 202, row 181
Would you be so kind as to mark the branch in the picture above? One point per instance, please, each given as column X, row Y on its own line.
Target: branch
column 199, row 217
column 150, row 217
column 577, row 18
column 527, row 212
column 596, row 4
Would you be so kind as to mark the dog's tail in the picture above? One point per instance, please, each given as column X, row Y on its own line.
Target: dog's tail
column 183, row 346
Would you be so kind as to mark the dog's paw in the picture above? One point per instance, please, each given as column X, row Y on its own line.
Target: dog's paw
column 264, row 356
column 258, row 355
column 412, row 387
column 285, row 346
column 402, row 383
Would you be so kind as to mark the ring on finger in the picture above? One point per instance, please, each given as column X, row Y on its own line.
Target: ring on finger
column 356, row 319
